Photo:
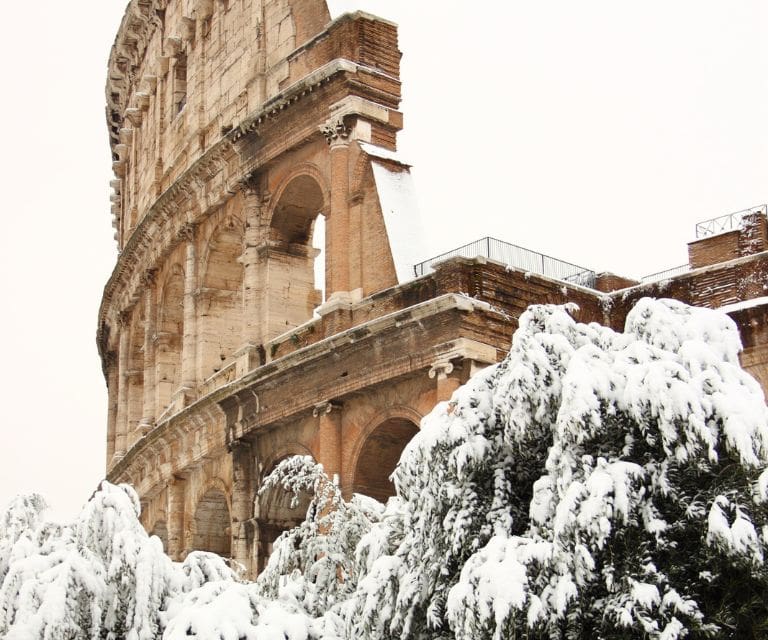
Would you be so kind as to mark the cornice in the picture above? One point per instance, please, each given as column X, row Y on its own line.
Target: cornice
column 133, row 36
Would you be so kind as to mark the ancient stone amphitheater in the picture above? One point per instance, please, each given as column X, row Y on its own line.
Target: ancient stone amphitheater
column 239, row 129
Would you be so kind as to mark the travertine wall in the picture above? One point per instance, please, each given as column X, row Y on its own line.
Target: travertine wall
column 182, row 71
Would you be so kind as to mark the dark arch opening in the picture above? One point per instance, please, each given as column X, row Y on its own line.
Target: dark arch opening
column 212, row 524
column 276, row 515
column 379, row 456
column 294, row 289
column 161, row 531
column 300, row 203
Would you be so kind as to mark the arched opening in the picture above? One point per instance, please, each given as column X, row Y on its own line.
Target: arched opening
column 179, row 84
column 379, row 456
column 294, row 291
column 212, row 524
column 220, row 303
column 275, row 515
column 170, row 337
column 161, row 531
column 318, row 244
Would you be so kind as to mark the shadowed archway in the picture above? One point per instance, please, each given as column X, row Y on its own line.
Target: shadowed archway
column 379, row 456
column 212, row 524
column 291, row 264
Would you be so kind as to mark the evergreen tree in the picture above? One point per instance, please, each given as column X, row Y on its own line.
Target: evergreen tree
column 594, row 484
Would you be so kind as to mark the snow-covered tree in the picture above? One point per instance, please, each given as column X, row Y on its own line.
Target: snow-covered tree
column 315, row 561
column 594, row 484
column 103, row 577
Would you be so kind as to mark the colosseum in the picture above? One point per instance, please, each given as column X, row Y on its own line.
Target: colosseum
column 268, row 298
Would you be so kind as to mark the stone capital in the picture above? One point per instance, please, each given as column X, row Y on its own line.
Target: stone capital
column 124, row 318
column 249, row 185
column 336, row 132
column 148, row 277
column 187, row 232
column 324, row 408
column 441, row 369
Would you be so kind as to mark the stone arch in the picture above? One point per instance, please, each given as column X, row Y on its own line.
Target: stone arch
column 300, row 197
column 274, row 514
column 299, row 201
column 160, row 529
column 378, row 451
column 170, row 336
column 278, row 455
column 212, row 524
column 220, row 304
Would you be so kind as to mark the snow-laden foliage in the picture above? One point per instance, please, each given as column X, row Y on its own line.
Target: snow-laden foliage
column 104, row 577
column 315, row 561
column 650, row 513
column 592, row 485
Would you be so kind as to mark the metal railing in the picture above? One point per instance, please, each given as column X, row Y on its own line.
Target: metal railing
column 667, row 273
column 727, row 222
column 517, row 257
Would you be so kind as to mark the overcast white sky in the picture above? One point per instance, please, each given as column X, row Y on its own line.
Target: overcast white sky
column 597, row 131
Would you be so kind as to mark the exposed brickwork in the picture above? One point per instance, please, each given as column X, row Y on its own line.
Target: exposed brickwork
column 707, row 251
column 607, row 282
column 750, row 238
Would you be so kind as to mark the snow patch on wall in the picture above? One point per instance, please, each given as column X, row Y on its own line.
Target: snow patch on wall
column 397, row 197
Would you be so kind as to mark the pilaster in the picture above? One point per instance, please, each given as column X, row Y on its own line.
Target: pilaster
column 112, row 390
column 121, row 426
column 189, row 343
column 242, row 501
column 446, row 384
column 337, row 134
column 149, row 412
column 253, row 313
column 329, row 415
column 176, row 539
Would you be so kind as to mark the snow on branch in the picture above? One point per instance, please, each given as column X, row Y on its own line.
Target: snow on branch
column 593, row 484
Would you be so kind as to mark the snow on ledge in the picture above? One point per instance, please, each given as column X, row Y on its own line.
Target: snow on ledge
column 745, row 304
column 375, row 151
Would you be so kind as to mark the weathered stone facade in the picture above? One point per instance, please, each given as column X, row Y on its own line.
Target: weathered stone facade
column 235, row 125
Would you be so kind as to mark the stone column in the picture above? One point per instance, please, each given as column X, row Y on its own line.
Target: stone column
column 329, row 438
column 440, row 371
column 149, row 409
column 337, row 225
column 176, row 490
column 112, row 390
column 121, row 427
column 242, row 500
column 252, row 268
column 189, row 345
